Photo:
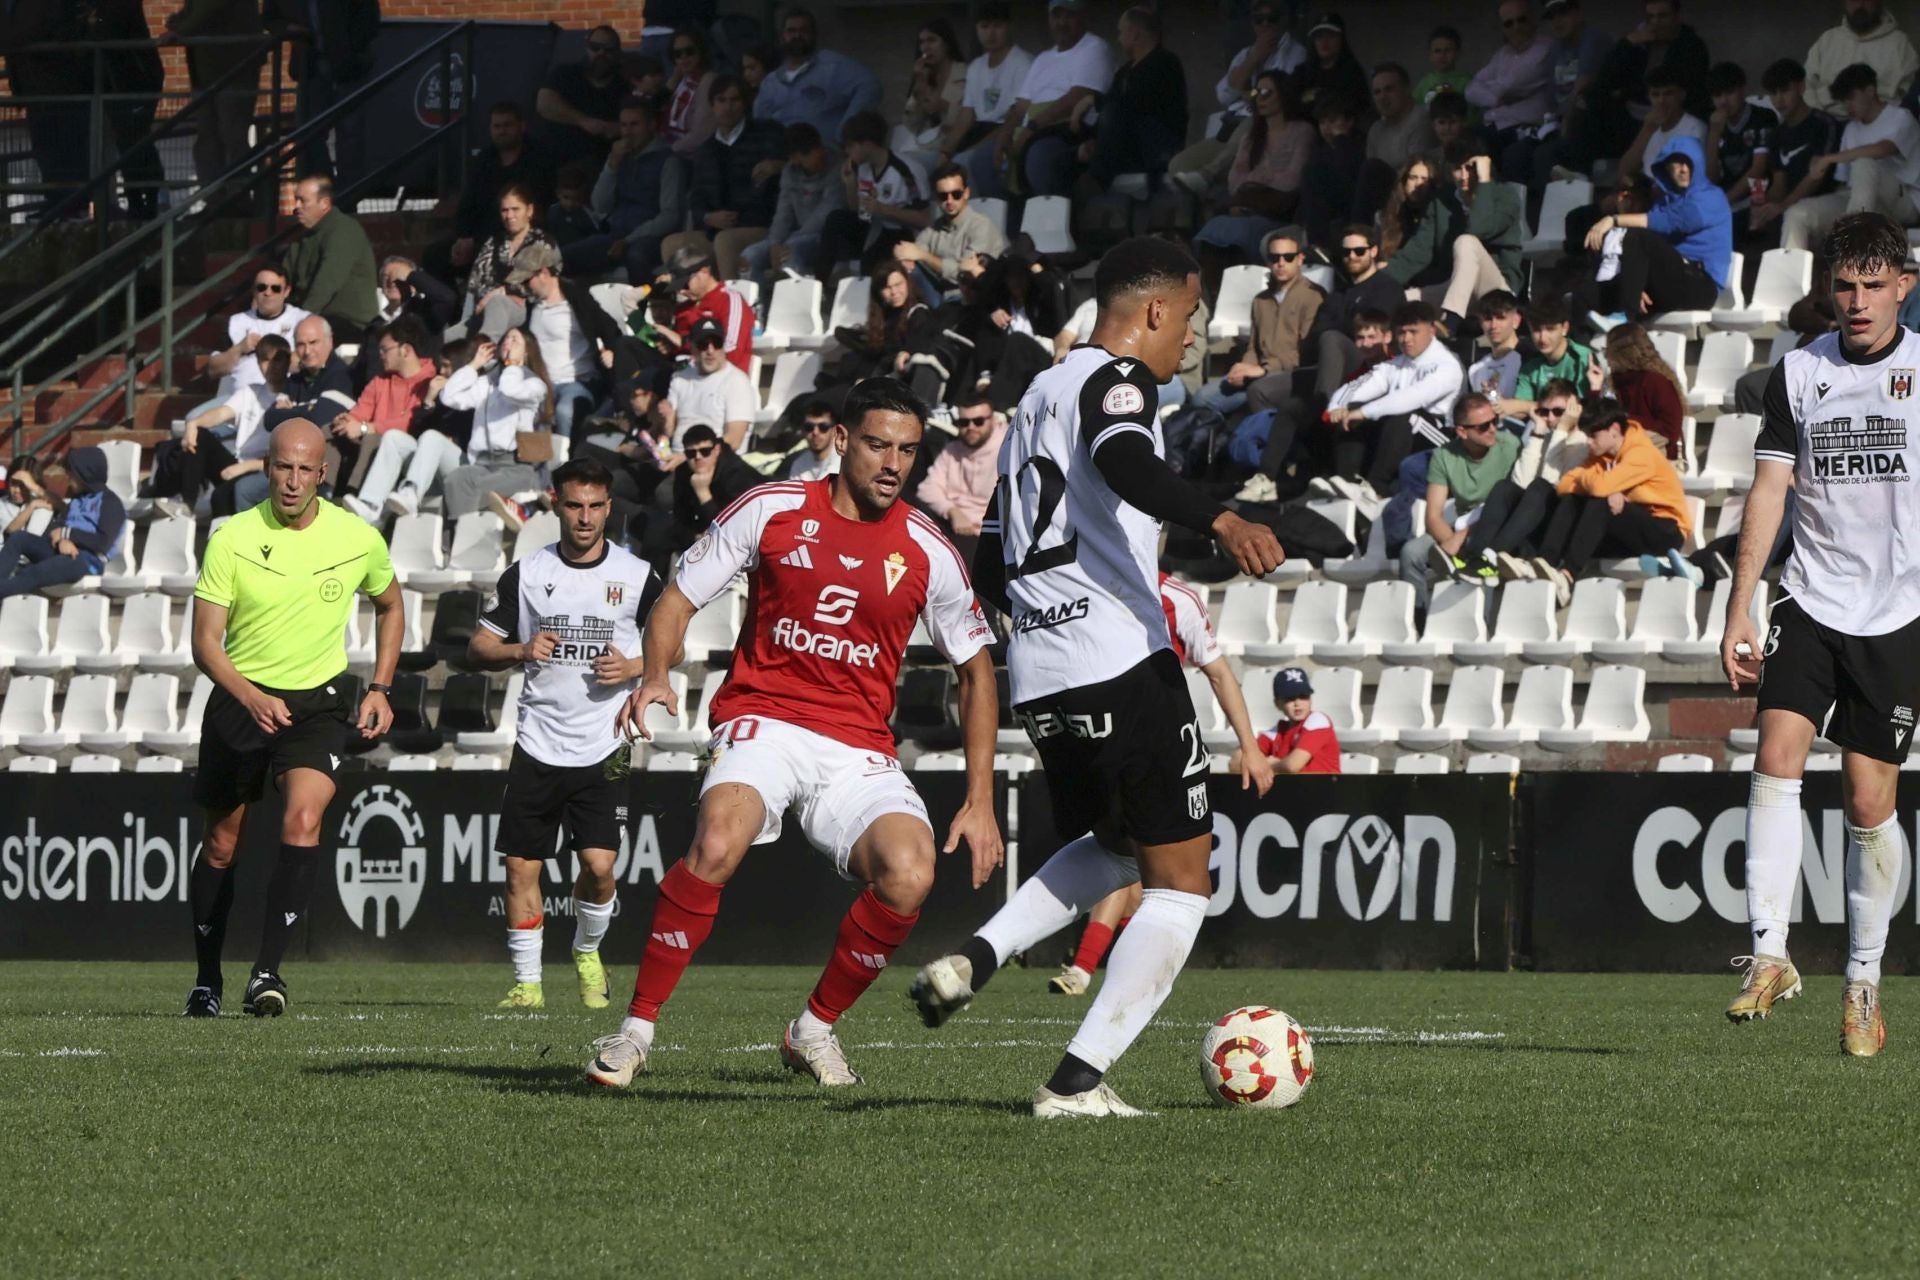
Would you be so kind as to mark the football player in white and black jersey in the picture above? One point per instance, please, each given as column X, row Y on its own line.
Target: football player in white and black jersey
column 1069, row 550
column 569, row 616
column 1842, row 646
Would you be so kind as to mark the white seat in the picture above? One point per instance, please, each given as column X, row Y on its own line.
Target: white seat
column 80, row 632
column 23, row 629
column 1386, row 617
column 1047, row 221
column 1785, row 277
column 1615, row 711
column 1256, row 690
column 714, row 630
column 1340, row 511
column 1543, row 701
column 468, row 762
column 1713, row 627
column 1665, row 616
column 1723, row 358
column 1371, row 563
column 151, row 706
column 476, row 559
column 32, row 764
column 1784, row 341
column 1318, row 615
column 413, row 635
column 1684, row 762
column 1525, row 616
column 1473, row 702
column 1336, row 692
column 1320, row 274
column 1247, row 618
column 159, row 764
column 27, row 709
column 542, row 529
column 1728, row 466
column 991, row 208
column 498, row 740
column 1598, row 612
column 1492, row 762
column 1726, row 520
column 1688, row 324
column 86, row 719
column 146, row 638
column 413, row 764
column 415, row 550
column 93, row 763
column 359, row 635
column 850, row 300
column 1743, row 763
column 612, row 300
column 1358, row 763
column 1402, row 700
column 1672, row 346
column 1233, row 310
column 1456, row 614
column 792, row 312
column 123, row 471
column 1422, row 762
column 120, row 576
column 794, row 374
column 1818, row 763
column 1556, row 202
column 186, row 739
column 168, row 559
column 672, row 762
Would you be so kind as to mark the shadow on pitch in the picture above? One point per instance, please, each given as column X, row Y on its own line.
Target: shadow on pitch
column 541, row 1079
column 1473, row 1046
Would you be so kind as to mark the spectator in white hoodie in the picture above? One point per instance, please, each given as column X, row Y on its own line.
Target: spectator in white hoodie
column 1397, row 406
column 514, row 397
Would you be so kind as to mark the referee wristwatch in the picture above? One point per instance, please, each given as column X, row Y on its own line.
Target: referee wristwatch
column 385, row 690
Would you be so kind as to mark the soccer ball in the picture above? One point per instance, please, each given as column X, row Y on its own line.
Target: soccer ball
column 1256, row 1057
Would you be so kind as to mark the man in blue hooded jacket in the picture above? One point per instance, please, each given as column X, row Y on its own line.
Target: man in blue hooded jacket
column 1674, row 257
column 82, row 543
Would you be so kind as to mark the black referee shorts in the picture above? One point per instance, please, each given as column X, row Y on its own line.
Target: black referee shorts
column 237, row 757
column 1128, row 747
column 1871, row 684
column 541, row 796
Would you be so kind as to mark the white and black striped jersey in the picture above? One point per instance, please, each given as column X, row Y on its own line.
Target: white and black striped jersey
column 566, row 716
column 1082, row 566
column 1845, row 425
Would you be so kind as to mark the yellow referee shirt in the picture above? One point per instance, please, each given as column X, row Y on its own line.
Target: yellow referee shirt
column 289, row 592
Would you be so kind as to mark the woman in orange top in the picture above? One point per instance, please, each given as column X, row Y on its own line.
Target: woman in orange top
column 1624, row 500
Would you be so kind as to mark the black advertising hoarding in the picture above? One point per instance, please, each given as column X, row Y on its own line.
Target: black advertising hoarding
column 1648, row 872
column 94, row 867
column 1340, row 872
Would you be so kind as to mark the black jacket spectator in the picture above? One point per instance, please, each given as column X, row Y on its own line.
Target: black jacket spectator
column 1622, row 78
column 691, row 517
column 723, row 174
column 319, row 396
column 478, row 215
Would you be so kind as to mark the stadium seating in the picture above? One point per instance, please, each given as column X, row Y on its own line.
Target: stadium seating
column 32, row 764
column 465, row 705
column 658, row 721
column 1421, row 762
column 1723, row 358
column 1402, row 700
column 1492, row 762
column 1665, row 617
column 1233, row 309
column 158, row 764
column 146, row 638
column 499, row 739
column 467, row 762
column 81, row 631
column 1557, row 201
column 455, row 619
column 1544, row 701
column 1672, row 346
column 850, row 300
column 1386, row 617
column 168, row 560
column 413, row 729
column 1598, row 612
column 1785, row 277
column 413, row 764
column 476, row 558
column 1689, row 324
column 86, row 719
column 92, row 763
column 991, row 208
column 542, row 529
column 185, row 740
column 792, row 312
column 1357, row 763
column 1707, row 647
column 794, row 375
column 1473, row 702
column 1247, row 619
column 1336, row 692
column 1047, row 221
column 1729, row 462
column 1457, row 614
column 27, row 709
column 1615, row 711
column 24, row 633
column 714, row 630
column 1684, row 762
column 923, row 713
column 418, row 561
column 120, row 576
column 1318, row 617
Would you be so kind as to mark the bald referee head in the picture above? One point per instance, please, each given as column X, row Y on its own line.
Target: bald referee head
column 296, row 461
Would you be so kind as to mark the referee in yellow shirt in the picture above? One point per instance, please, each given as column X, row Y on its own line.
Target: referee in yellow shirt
column 271, row 608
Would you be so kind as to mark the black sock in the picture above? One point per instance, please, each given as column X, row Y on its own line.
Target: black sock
column 984, row 962
column 210, row 894
column 287, row 896
column 1073, row 1076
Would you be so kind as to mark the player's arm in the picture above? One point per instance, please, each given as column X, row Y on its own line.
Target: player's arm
column 1142, row 479
column 661, row 646
column 492, row 648
column 1774, row 454
column 989, row 554
column 1252, row 764
column 389, row 634
column 979, row 727
column 210, row 655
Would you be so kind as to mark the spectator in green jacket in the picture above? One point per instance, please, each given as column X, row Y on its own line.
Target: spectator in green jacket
column 331, row 268
column 1467, row 242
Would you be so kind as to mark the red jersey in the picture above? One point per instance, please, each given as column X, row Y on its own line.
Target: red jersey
column 1314, row 735
column 734, row 317
column 831, row 603
column 1188, row 626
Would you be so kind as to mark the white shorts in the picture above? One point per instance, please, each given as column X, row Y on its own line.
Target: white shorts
column 838, row 791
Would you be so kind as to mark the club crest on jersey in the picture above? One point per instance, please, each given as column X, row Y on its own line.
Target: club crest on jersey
column 896, row 567
column 1123, row 399
column 809, row 530
column 698, row 551
column 616, row 592
column 1900, row 383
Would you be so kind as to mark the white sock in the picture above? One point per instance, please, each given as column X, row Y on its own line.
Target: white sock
column 1874, row 858
column 1140, row 974
column 1066, row 888
column 638, row 1030
column 524, row 946
column 590, row 921
column 811, row 1029
column 1773, row 859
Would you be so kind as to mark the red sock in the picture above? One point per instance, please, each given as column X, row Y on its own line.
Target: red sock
column 682, row 918
column 1093, row 945
column 868, row 935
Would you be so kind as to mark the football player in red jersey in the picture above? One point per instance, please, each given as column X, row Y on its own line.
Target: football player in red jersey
column 840, row 572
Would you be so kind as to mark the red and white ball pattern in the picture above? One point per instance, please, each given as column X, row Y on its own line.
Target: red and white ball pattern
column 1256, row 1057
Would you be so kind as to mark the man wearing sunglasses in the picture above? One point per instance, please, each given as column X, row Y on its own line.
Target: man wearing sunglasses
column 709, row 392
column 1515, row 89
column 817, row 457
column 581, row 100
column 1273, row 49
column 271, row 312
column 1283, row 314
column 959, row 484
column 957, row 231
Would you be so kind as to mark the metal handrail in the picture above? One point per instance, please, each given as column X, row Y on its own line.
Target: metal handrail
column 175, row 228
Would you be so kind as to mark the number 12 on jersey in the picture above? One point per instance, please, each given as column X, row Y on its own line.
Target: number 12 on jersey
column 1036, row 532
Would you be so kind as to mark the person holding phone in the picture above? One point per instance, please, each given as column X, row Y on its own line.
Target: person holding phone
column 1478, row 224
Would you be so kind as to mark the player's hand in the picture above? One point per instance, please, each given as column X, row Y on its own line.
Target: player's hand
column 632, row 720
column 376, row 715
column 1252, row 546
column 1740, row 654
column 1256, row 771
column 976, row 825
column 614, row 667
column 540, row 648
column 267, row 711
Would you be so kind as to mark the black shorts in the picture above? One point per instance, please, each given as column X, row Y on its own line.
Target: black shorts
column 1871, row 684
column 1129, row 747
column 540, row 796
column 237, row 757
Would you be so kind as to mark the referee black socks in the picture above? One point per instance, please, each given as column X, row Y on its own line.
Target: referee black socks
column 980, row 955
column 210, row 894
column 1073, row 1076
column 287, row 896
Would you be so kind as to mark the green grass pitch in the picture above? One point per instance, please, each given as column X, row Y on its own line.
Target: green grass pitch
column 396, row 1124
